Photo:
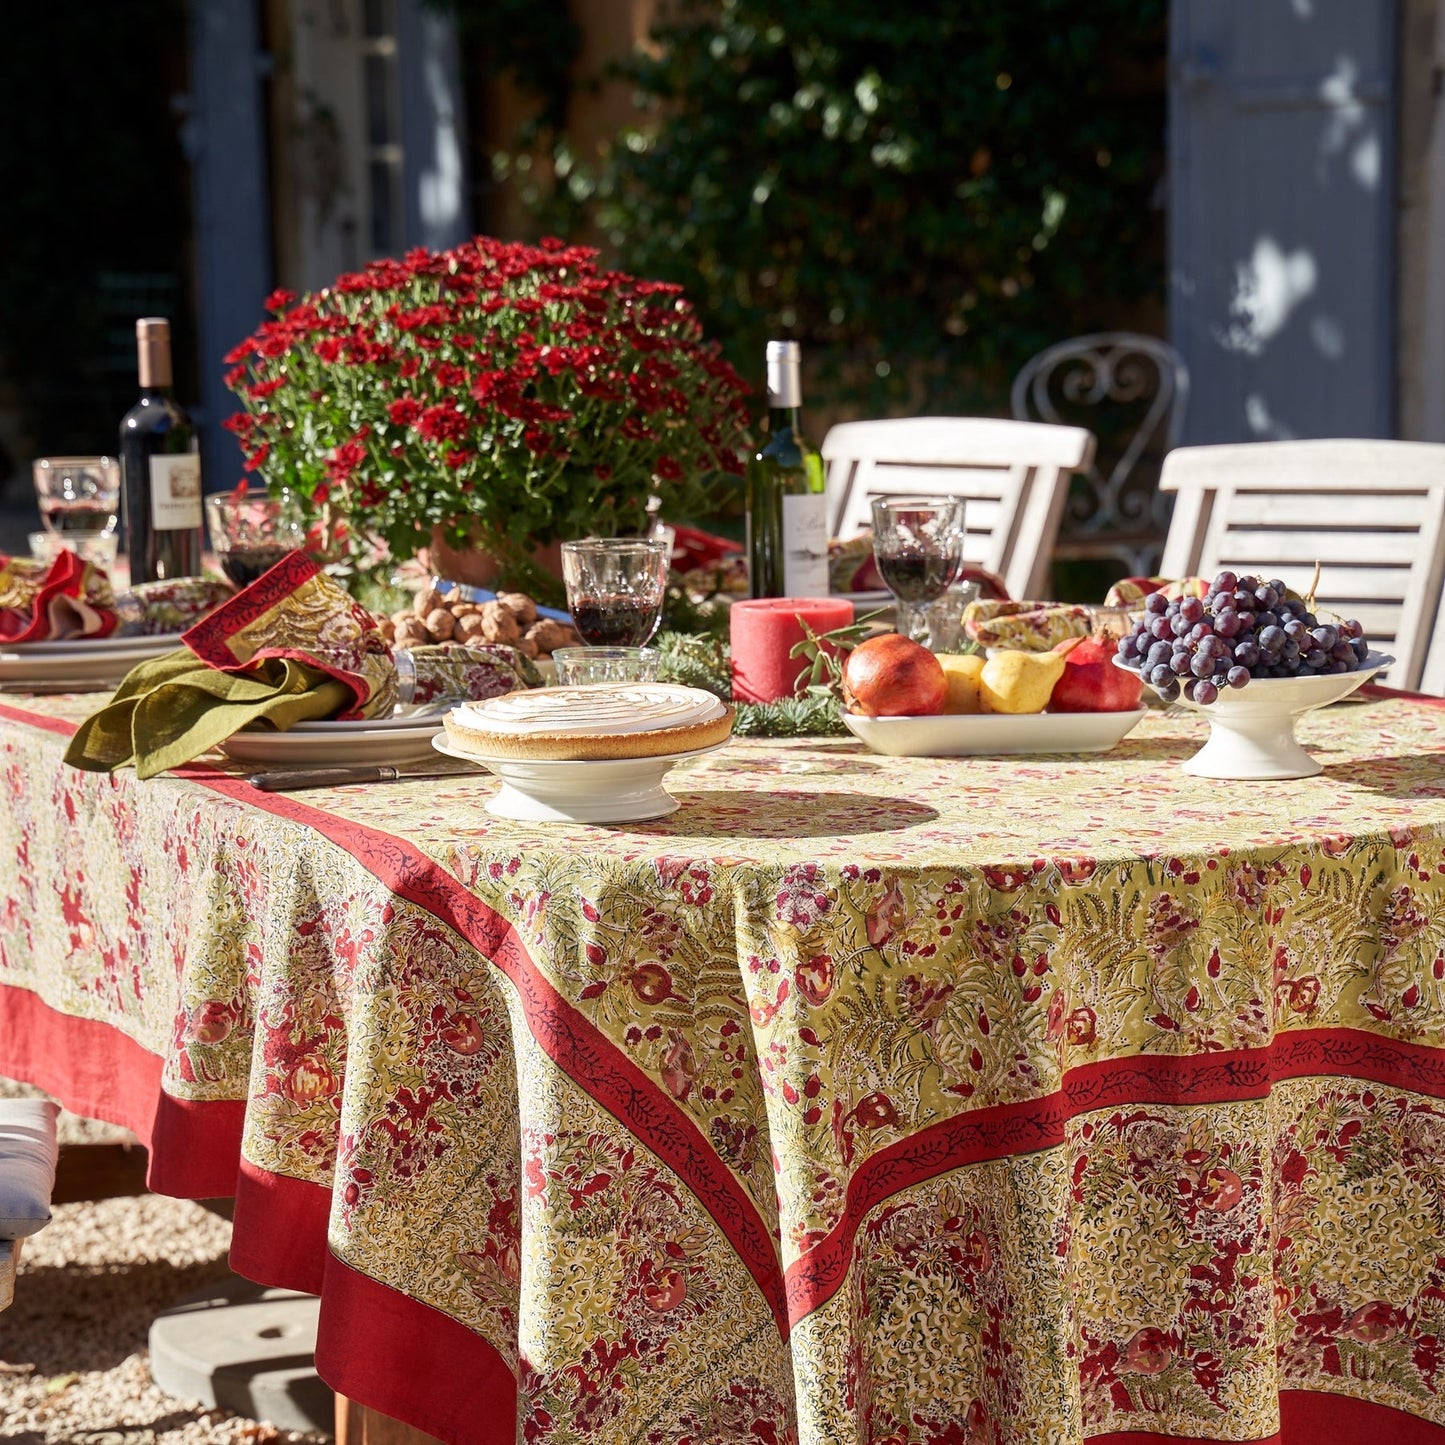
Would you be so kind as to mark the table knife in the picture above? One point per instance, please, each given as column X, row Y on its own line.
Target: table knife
column 290, row 780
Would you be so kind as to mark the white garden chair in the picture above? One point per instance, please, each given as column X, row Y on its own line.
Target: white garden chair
column 1371, row 513
column 1013, row 475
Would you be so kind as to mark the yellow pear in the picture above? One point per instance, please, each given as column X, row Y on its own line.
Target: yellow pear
column 962, row 672
column 1018, row 682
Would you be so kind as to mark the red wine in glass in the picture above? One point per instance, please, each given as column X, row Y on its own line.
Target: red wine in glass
column 245, row 563
column 616, row 619
column 917, row 576
column 81, row 519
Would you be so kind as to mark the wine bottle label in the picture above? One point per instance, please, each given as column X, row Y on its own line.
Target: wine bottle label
column 805, row 545
column 175, row 492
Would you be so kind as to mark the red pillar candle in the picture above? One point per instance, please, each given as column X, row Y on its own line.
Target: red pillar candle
column 764, row 631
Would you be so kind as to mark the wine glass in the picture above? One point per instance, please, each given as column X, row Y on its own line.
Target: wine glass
column 252, row 531
column 615, row 588
column 918, row 545
column 79, row 496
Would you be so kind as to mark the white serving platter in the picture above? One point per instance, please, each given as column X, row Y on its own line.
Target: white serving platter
column 993, row 734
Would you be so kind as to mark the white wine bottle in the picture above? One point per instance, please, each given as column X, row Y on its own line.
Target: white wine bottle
column 787, row 512
column 160, row 469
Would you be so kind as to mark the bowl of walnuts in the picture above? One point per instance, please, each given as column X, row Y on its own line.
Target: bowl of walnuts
column 451, row 612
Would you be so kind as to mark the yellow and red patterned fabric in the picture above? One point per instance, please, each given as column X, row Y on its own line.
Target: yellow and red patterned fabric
column 863, row 1099
column 55, row 600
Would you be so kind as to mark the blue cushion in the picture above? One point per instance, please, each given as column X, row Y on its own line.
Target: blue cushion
column 27, row 1164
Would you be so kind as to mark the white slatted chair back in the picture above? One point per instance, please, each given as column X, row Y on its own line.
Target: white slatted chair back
column 1013, row 475
column 1371, row 513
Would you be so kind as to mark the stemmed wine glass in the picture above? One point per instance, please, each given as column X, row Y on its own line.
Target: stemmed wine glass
column 918, row 545
column 615, row 588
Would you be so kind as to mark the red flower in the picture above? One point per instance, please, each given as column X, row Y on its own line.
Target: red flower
column 531, row 357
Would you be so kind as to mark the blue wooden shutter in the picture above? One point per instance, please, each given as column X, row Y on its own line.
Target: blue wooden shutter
column 1282, row 216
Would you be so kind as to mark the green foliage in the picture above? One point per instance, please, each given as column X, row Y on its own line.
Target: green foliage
column 702, row 660
column 925, row 195
column 536, row 42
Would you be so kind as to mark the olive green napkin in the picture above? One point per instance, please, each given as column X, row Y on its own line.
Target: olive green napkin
column 172, row 709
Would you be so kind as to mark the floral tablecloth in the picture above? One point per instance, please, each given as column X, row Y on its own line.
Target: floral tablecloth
column 864, row 1099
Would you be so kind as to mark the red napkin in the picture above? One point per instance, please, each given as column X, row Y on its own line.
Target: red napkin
column 52, row 601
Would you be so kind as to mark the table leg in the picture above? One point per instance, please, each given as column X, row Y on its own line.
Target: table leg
column 359, row 1425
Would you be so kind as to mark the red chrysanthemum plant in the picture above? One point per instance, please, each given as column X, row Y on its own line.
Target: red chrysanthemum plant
column 509, row 395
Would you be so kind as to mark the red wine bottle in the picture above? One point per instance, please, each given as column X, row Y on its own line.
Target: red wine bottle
column 160, row 469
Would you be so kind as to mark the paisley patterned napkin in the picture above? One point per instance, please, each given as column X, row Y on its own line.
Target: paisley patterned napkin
column 290, row 647
column 55, row 600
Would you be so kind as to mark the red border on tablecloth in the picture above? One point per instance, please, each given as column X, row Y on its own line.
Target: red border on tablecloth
column 1144, row 1080
column 100, row 1073
column 1307, row 1417
column 364, row 1321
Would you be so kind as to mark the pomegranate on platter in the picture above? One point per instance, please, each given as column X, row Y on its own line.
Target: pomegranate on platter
column 891, row 676
column 1090, row 682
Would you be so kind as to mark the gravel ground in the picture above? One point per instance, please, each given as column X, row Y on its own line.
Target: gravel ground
column 74, row 1368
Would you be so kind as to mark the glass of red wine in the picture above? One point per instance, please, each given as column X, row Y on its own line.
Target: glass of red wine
column 918, row 546
column 252, row 531
column 615, row 588
column 79, row 497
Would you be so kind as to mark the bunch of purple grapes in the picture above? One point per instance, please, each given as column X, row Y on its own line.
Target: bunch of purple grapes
column 1242, row 628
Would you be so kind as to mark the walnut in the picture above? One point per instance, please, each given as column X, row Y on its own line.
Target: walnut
column 412, row 634
column 397, row 618
column 465, row 609
column 498, row 624
column 549, row 634
column 469, row 628
column 427, row 601
column 527, row 648
column 520, row 606
column 387, row 628
column 440, row 623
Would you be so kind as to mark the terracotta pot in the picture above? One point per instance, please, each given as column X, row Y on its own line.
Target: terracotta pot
column 478, row 567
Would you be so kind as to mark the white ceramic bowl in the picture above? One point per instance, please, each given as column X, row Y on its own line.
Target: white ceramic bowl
column 609, row 790
column 1251, row 728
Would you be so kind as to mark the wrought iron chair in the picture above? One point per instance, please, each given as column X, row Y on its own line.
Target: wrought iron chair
column 1012, row 474
column 1371, row 513
column 1131, row 392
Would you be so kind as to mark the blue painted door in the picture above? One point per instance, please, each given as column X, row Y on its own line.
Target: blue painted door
column 1282, row 205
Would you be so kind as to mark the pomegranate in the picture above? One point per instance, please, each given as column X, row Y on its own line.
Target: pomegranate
column 1091, row 682
column 891, row 676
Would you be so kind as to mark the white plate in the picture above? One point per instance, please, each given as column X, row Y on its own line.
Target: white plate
column 1251, row 728
column 84, row 661
column 372, row 740
column 993, row 734
column 607, row 790
column 103, row 645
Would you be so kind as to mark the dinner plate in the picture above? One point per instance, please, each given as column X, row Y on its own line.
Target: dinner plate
column 83, row 661
column 371, row 740
column 993, row 734
column 604, row 790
